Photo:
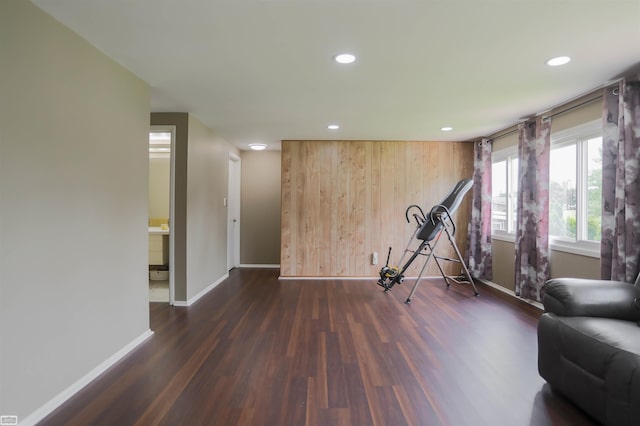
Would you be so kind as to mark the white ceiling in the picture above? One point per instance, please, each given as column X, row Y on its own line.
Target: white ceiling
column 262, row 70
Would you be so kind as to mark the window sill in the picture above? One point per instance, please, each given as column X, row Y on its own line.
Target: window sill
column 581, row 249
column 509, row 238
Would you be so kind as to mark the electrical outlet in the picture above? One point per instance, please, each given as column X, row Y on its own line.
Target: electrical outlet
column 374, row 258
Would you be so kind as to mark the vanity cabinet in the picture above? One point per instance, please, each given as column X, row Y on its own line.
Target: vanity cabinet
column 158, row 248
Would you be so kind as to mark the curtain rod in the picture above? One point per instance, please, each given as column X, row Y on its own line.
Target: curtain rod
column 555, row 114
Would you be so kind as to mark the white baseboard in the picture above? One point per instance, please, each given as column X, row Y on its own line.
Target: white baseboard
column 195, row 298
column 349, row 278
column 260, row 265
column 66, row 394
column 510, row 292
column 325, row 278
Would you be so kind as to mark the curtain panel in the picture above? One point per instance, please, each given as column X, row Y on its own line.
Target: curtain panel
column 532, row 227
column 620, row 246
column 479, row 247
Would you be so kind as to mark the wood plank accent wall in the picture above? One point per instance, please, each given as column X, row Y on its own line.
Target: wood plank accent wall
column 344, row 200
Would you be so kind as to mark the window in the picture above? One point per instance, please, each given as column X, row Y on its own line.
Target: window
column 562, row 191
column 575, row 188
column 504, row 197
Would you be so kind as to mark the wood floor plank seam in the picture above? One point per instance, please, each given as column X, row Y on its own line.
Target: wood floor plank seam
column 260, row 351
column 154, row 414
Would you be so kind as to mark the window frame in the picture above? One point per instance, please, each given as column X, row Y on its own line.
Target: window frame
column 578, row 135
column 506, row 154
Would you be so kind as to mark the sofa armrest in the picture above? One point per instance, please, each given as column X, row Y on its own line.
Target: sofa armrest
column 592, row 298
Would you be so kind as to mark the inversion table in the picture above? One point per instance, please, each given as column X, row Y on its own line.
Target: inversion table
column 429, row 229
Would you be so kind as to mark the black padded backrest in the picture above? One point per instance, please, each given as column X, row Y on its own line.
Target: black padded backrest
column 451, row 202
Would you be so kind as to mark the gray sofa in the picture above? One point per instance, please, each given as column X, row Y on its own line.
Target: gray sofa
column 589, row 347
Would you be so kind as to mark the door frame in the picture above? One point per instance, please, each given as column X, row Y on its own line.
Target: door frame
column 172, row 180
column 233, row 206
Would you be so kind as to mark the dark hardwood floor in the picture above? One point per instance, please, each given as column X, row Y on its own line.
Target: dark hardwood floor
column 261, row 351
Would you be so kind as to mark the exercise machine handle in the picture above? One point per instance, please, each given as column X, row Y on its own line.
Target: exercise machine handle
column 419, row 219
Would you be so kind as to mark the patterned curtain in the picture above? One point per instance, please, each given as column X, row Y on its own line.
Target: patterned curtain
column 620, row 246
column 480, row 261
column 532, row 227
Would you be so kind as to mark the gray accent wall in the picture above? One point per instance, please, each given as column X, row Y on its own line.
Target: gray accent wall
column 260, row 207
column 73, row 208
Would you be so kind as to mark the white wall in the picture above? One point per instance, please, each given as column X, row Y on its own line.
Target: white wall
column 207, row 176
column 73, row 208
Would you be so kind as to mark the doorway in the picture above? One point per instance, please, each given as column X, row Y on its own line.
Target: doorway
column 161, row 213
column 233, row 213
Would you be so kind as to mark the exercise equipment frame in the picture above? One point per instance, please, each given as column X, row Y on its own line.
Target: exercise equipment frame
column 429, row 230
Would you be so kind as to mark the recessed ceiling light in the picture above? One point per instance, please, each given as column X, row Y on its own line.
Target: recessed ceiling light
column 446, row 128
column 558, row 60
column 333, row 127
column 344, row 58
column 258, row 146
